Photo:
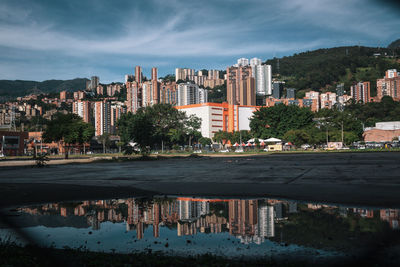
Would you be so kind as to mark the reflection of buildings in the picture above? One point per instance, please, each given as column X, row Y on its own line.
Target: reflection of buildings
column 392, row 216
column 364, row 212
column 243, row 218
column 250, row 220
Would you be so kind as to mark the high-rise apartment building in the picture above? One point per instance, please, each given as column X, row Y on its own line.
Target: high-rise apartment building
column 183, row 73
column 116, row 109
column 213, row 74
column 93, row 83
column 100, row 90
column 263, row 79
column 138, row 74
column 63, row 95
column 361, row 92
column 82, row 109
column 291, row 93
column 277, row 89
column 240, row 86
column 168, row 93
column 242, row 62
column 113, row 88
column 189, row 93
column 147, row 94
column 389, row 85
column 102, row 117
column 133, row 96
column 155, row 87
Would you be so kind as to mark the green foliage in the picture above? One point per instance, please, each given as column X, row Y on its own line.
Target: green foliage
column 22, row 88
column 205, row 141
column 319, row 68
column 394, row 44
column 277, row 120
column 158, row 124
column 105, row 141
column 217, row 94
column 297, row 137
column 69, row 128
column 222, row 137
column 191, row 127
column 169, row 78
column 240, row 137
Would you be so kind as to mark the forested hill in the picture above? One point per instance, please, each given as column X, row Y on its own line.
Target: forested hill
column 21, row 88
column 322, row 68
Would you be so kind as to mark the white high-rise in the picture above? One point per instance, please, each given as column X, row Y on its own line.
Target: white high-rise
column 262, row 75
column 242, row 62
column 189, row 93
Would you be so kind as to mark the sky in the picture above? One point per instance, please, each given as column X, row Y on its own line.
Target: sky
column 65, row 39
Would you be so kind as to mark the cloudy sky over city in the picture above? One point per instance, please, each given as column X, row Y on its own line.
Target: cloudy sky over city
column 47, row 39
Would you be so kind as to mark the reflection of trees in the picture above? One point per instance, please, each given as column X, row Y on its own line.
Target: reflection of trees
column 326, row 227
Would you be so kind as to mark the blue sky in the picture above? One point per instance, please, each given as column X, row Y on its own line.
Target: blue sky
column 57, row 39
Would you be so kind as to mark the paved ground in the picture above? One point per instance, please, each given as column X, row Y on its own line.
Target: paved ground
column 349, row 178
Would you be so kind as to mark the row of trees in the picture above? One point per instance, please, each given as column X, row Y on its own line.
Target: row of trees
column 158, row 126
column 300, row 125
column 161, row 125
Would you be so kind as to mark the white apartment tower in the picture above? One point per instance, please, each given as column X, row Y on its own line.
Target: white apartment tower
column 242, row 62
column 189, row 94
column 262, row 75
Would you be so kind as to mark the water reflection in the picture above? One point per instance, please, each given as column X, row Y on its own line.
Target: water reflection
column 230, row 227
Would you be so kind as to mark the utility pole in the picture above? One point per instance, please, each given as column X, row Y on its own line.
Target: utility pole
column 342, row 134
column 327, row 137
column 41, row 141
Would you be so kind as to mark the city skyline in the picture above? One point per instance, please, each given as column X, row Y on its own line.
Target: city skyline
column 63, row 40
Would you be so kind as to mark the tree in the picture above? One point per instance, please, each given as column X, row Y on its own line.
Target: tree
column 68, row 128
column 156, row 125
column 137, row 127
column 105, row 140
column 277, row 120
column 222, row 137
column 165, row 117
column 192, row 126
column 205, row 141
column 297, row 137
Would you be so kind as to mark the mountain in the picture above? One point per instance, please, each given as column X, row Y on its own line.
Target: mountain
column 394, row 44
column 22, row 88
column 323, row 68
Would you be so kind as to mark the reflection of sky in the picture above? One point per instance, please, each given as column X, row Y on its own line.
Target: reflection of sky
column 114, row 237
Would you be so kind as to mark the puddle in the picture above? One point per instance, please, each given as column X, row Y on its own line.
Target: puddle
column 191, row 226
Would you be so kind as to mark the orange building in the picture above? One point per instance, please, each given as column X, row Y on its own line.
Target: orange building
column 220, row 117
column 63, row 95
column 361, row 92
column 389, row 85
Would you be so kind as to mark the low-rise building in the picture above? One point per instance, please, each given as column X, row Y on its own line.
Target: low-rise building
column 382, row 132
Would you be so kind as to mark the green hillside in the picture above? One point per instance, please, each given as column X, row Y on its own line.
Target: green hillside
column 21, row 88
column 321, row 69
column 394, row 44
